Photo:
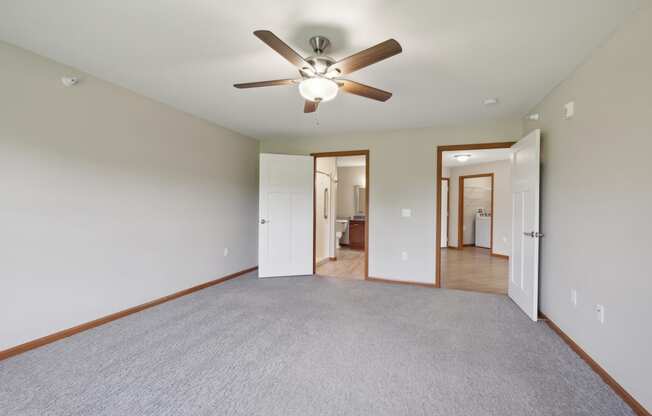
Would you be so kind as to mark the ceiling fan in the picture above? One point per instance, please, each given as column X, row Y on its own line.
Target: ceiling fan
column 320, row 74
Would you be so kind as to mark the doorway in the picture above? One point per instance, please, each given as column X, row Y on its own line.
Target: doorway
column 341, row 214
column 470, row 259
column 475, row 219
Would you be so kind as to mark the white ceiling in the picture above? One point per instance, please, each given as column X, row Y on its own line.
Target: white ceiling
column 455, row 54
column 477, row 157
column 350, row 161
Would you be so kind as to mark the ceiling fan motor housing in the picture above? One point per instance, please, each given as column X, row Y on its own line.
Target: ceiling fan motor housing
column 319, row 61
column 319, row 44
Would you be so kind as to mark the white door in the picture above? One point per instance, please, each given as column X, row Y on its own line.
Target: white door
column 444, row 213
column 524, row 261
column 285, row 215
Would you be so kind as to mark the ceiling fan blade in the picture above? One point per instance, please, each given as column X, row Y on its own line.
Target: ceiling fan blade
column 367, row 57
column 362, row 90
column 266, row 83
column 282, row 48
column 310, row 106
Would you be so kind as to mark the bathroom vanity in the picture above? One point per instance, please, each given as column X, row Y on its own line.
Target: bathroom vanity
column 356, row 234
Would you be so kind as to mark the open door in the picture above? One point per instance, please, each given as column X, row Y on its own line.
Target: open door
column 444, row 213
column 524, row 261
column 285, row 215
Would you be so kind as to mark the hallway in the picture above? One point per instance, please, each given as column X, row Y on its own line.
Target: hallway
column 475, row 269
column 349, row 265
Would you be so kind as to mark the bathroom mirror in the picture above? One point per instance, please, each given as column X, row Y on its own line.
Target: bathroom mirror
column 360, row 199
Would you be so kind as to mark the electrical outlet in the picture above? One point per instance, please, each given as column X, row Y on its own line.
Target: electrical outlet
column 573, row 295
column 226, row 251
column 404, row 255
column 599, row 313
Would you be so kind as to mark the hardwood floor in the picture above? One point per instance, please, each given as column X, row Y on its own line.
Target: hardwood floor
column 473, row 268
column 349, row 265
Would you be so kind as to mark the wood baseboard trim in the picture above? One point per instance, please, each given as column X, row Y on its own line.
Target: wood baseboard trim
column 502, row 256
column 39, row 342
column 469, row 245
column 332, row 258
column 617, row 388
column 453, row 247
column 400, row 282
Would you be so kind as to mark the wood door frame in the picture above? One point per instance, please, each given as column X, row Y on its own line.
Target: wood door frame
column 439, row 156
column 460, row 209
column 345, row 153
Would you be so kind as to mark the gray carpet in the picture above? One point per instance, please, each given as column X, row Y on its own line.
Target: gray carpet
column 311, row 346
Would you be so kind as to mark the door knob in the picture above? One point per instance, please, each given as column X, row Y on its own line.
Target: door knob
column 530, row 234
column 262, row 221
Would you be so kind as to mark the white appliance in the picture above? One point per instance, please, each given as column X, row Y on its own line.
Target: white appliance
column 483, row 230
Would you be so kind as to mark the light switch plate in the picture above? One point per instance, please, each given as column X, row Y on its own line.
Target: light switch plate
column 569, row 110
column 599, row 312
column 406, row 212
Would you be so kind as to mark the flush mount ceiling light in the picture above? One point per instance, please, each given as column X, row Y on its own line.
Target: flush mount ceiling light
column 320, row 74
column 462, row 157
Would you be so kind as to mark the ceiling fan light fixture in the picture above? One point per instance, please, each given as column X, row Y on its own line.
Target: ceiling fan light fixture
column 320, row 74
column 318, row 89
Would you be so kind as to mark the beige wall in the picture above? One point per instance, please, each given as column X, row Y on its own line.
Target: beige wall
column 596, row 199
column 402, row 175
column 502, row 233
column 109, row 200
column 348, row 178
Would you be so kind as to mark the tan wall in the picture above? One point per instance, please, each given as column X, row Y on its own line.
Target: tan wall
column 402, row 175
column 109, row 199
column 596, row 199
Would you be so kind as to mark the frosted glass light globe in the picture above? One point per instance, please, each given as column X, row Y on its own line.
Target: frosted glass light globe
column 318, row 89
column 462, row 158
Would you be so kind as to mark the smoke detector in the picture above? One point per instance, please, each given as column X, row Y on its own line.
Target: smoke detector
column 69, row 81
